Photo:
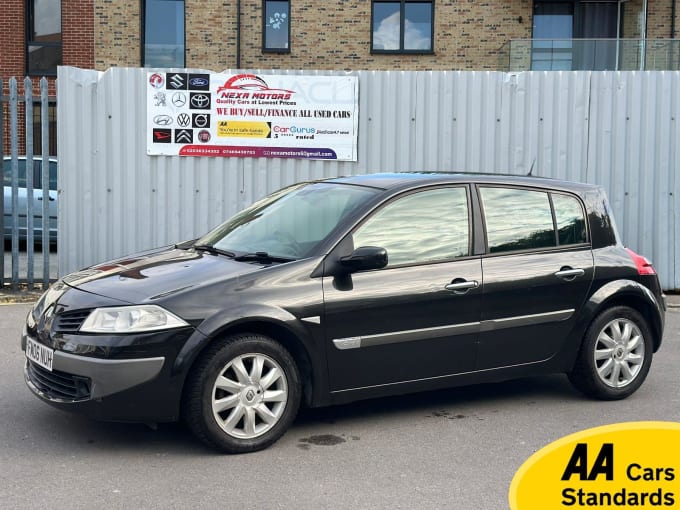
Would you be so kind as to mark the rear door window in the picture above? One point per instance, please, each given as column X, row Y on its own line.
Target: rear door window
column 517, row 219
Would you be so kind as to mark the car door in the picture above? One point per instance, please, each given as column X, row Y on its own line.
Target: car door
column 416, row 318
column 537, row 273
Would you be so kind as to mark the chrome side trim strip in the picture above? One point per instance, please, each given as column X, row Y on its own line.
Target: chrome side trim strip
column 526, row 320
column 412, row 335
column 312, row 320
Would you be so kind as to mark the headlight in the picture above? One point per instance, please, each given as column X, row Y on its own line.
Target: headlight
column 130, row 319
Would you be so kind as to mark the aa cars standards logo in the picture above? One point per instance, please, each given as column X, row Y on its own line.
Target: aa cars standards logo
column 625, row 465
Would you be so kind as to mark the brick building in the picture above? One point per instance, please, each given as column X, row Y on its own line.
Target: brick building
column 38, row 35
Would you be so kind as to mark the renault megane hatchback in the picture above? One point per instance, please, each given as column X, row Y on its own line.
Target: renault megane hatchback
column 351, row 288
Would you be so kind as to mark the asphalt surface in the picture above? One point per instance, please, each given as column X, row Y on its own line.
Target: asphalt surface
column 455, row 449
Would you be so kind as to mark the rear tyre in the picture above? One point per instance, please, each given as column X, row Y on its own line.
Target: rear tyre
column 242, row 394
column 615, row 355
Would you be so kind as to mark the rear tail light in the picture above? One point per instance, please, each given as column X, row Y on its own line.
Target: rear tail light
column 644, row 266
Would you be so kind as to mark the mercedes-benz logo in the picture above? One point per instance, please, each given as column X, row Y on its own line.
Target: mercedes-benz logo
column 162, row 120
column 179, row 99
column 183, row 120
column 200, row 100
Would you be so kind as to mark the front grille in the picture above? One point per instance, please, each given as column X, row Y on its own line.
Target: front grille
column 70, row 322
column 58, row 385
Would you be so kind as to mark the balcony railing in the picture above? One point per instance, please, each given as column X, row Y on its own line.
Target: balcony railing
column 590, row 54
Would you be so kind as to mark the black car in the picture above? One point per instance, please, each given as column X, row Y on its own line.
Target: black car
column 351, row 288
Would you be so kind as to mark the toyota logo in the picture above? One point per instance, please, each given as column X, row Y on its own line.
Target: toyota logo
column 200, row 100
column 162, row 120
column 179, row 99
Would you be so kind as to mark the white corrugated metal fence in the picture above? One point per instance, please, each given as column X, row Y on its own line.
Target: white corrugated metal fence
column 618, row 129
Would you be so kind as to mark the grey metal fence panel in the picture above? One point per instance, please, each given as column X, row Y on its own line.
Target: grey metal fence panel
column 22, row 203
column 618, row 129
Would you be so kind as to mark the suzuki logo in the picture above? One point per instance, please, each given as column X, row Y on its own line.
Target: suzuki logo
column 176, row 81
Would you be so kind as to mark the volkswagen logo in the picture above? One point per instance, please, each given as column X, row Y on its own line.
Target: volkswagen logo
column 200, row 101
column 179, row 99
column 162, row 120
column 183, row 120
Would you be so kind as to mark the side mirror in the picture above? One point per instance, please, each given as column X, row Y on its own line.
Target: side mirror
column 364, row 258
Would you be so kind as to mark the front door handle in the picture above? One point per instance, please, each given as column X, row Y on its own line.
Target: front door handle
column 568, row 273
column 464, row 285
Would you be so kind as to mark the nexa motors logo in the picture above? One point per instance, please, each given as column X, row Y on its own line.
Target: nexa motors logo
column 249, row 86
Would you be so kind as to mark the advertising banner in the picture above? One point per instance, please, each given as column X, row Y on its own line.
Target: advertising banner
column 244, row 115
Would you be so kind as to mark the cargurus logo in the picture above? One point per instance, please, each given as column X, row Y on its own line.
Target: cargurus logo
column 295, row 130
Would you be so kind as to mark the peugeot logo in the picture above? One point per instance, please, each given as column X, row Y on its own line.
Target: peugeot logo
column 183, row 120
column 159, row 99
column 200, row 100
column 179, row 99
column 162, row 120
column 198, row 82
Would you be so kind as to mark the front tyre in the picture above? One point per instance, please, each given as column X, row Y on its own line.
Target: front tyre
column 615, row 355
column 242, row 394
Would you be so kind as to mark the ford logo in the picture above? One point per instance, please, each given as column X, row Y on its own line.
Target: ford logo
column 198, row 82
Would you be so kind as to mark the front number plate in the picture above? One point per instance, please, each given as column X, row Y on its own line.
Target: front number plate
column 40, row 354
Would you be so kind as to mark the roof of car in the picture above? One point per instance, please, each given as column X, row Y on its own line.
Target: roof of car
column 408, row 179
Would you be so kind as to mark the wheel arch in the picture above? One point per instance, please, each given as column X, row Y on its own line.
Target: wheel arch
column 633, row 295
column 275, row 330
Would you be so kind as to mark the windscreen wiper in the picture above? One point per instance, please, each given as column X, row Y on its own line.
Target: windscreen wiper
column 215, row 251
column 261, row 256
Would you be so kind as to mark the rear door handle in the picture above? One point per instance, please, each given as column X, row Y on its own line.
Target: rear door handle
column 462, row 285
column 569, row 273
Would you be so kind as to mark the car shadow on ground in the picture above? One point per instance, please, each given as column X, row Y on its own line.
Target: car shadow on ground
column 91, row 437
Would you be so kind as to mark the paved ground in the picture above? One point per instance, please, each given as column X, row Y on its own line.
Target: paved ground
column 450, row 449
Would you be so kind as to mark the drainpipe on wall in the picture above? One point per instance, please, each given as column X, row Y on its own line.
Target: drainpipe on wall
column 643, row 45
column 238, row 34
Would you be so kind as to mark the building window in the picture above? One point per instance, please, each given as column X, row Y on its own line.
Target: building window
column 402, row 27
column 276, row 26
column 43, row 37
column 164, row 33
